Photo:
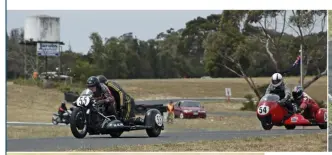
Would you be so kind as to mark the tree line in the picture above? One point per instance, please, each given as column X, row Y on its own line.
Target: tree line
column 231, row 44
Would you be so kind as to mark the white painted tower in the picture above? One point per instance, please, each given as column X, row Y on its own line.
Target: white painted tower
column 42, row 28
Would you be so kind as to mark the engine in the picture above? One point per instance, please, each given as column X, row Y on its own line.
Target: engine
column 96, row 118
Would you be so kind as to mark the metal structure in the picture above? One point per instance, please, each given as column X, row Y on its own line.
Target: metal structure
column 42, row 29
column 41, row 32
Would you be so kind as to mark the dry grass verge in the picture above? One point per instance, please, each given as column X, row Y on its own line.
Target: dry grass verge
column 221, row 106
column 218, row 123
column 18, row 132
column 290, row 143
column 209, row 87
column 28, row 103
column 140, row 153
column 22, row 100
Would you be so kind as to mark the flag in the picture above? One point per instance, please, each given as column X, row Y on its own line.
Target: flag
column 297, row 61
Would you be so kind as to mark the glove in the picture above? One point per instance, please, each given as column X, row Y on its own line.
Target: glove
column 281, row 102
column 284, row 100
column 298, row 111
column 301, row 110
column 295, row 108
column 100, row 102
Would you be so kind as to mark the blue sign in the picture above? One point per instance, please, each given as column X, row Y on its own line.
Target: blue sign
column 48, row 49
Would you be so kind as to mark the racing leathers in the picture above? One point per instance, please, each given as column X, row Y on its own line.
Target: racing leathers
column 104, row 96
column 62, row 109
column 284, row 94
column 125, row 103
column 308, row 106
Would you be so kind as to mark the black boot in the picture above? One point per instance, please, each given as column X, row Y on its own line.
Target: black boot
column 287, row 116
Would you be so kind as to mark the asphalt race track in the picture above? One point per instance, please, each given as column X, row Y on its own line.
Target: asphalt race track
column 71, row 143
column 134, row 138
column 152, row 102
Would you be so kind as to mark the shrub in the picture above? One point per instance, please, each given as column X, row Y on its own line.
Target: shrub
column 249, row 104
column 50, row 84
column 262, row 89
column 29, row 82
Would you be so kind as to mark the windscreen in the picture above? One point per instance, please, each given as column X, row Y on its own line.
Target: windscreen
column 270, row 97
column 86, row 92
column 190, row 104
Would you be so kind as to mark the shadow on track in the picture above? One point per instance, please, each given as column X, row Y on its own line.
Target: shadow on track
column 127, row 137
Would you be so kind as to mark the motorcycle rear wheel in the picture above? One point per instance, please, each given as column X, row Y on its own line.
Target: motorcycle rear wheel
column 116, row 134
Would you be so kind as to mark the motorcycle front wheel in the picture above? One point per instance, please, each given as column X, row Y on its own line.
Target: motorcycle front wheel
column 78, row 123
column 266, row 126
column 54, row 120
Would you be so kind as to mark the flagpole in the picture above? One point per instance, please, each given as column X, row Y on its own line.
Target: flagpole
column 301, row 65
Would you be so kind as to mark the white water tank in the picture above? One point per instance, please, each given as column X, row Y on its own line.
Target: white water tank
column 42, row 28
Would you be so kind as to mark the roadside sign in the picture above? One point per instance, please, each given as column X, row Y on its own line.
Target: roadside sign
column 228, row 92
column 48, row 49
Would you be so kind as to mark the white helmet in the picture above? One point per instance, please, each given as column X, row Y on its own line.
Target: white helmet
column 276, row 79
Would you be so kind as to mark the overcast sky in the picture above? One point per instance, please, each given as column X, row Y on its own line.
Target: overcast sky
column 76, row 26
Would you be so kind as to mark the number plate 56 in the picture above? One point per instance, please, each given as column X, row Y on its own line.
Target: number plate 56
column 263, row 110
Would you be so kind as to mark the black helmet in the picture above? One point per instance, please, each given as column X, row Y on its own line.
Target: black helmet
column 297, row 92
column 92, row 81
column 102, row 79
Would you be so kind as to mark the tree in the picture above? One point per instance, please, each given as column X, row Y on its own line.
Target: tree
column 305, row 22
column 247, row 39
column 231, row 44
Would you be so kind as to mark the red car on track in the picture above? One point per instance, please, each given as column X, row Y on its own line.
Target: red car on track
column 189, row 109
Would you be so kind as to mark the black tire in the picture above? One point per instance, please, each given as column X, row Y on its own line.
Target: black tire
column 151, row 118
column 116, row 134
column 153, row 132
column 323, row 126
column 54, row 121
column 290, row 127
column 267, row 126
column 74, row 125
